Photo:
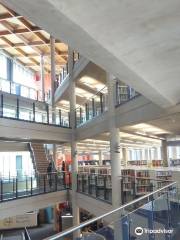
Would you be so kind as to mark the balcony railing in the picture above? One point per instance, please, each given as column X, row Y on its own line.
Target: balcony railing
column 99, row 186
column 124, row 93
column 65, row 71
column 153, row 216
column 35, row 112
column 92, row 108
column 25, row 186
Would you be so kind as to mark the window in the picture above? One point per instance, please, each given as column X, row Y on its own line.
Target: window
column 23, row 76
column 3, row 64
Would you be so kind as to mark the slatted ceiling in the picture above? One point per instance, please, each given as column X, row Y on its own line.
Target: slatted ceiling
column 14, row 22
column 13, row 38
column 12, row 51
column 61, row 46
column 2, row 9
column 47, row 35
column 2, row 28
column 33, row 41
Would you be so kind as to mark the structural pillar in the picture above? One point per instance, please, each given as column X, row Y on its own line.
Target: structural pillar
column 42, row 77
column 114, row 154
column 164, row 153
column 72, row 98
column 53, row 76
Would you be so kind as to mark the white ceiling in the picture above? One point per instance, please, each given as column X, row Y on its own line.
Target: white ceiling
column 137, row 41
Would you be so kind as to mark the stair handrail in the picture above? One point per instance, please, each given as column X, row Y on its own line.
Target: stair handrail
column 32, row 156
column 86, row 223
column 26, row 234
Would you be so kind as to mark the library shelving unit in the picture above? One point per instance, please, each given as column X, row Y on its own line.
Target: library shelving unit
column 157, row 163
column 163, row 175
column 88, row 162
column 95, row 169
column 137, row 162
column 175, row 162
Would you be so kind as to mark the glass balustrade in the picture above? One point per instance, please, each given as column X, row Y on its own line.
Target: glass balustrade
column 92, row 108
column 100, row 186
column 152, row 216
column 124, row 93
column 64, row 71
column 19, row 186
column 32, row 112
column 21, row 90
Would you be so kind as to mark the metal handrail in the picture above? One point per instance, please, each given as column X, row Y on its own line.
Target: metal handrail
column 26, row 234
column 132, row 177
column 93, row 95
column 77, row 227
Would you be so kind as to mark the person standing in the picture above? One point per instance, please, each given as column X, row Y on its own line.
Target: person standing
column 49, row 173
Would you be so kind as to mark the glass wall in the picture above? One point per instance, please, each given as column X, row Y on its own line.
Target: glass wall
column 19, row 74
column 23, row 76
column 13, row 164
column 3, row 64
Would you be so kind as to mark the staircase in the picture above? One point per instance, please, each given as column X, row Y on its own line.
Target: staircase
column 39, row 157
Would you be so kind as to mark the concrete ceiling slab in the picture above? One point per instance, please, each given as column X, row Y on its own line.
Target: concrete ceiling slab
column 137, row 41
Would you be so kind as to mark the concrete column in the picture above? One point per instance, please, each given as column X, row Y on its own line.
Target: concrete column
column 125, row 156
column 164, row 153
column 53, row 75
column 72, row 99
column 42, row 77
column 100, row 158
column 114, row 154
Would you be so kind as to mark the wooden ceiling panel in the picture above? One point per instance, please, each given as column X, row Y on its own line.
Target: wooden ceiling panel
column 25, row 41
column 13, row 38
column 62, row 46
column 28, row 49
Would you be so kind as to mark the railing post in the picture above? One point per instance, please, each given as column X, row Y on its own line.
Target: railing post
column 44, row 181
column 2, row 105
column 69, row 119
column 73, row 59
column 117, row 91
column 93, row 107
column 34, row 112
column 89, row 191
column 47, row 112
column 80, row 112
column 17, row 108
column 60, row 122
column 26, row 185
column 82, row 182
column 55, row 182
column 96, row 187
column 37, row 95
column 77, row 182
column 31, row 186
column 16, row 187
column 101, row 102
column 122, row 192
column 105, row 190
column 1, row 190
column 87, row 111
column 13, row 186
